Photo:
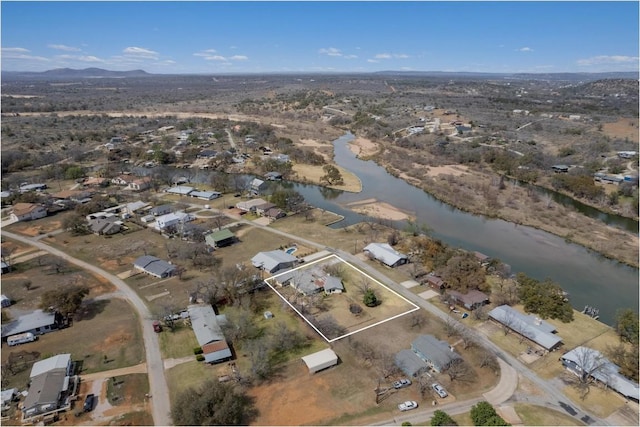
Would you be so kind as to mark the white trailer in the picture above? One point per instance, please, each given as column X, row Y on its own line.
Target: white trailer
column 21, row 338
column 321, row 360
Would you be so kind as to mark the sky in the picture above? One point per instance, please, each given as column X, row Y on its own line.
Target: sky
column 270, row 37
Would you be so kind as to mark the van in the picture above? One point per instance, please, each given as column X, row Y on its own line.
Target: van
column 21, row 338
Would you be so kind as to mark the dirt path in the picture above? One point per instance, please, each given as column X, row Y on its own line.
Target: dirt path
column 137, row 369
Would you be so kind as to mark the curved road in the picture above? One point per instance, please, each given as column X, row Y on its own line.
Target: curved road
column 160, row 406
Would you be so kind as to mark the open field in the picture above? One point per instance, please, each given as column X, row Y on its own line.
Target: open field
column 311, row 174
column 533, row 415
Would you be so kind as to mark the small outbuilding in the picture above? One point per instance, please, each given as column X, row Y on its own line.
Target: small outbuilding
column 321, row 360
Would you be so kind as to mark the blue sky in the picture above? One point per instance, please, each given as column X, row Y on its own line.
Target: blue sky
column 260, row 37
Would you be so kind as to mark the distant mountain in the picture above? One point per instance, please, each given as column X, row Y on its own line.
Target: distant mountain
column 573, row 77
column 63, row 73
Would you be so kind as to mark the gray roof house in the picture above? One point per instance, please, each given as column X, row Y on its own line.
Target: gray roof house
column 38, row 322
column 384, row 253
column 409, row 363
column 273, row 261
column 257, row 186
column 529, row 326
column 311, row 281
column 602, row 370
column 105, row 226
column 205, row 195
column 51, row 387
column 154, row 266
column 161, row 210
column 207, row 327
column 471, row 300
column 437, row 354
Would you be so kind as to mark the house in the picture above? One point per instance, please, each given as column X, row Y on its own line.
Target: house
column 273, row 176
column 208, row 329
column 32, row 187
column 52, row 387
column 437, row 354
column 205, row 195
column 275, row 213
column 140, row 184
column 582, row 359
column 409, row 363
column 207, row 154
column 77, row 196
column 124, row 179
column 154, row 266
column 384, row 253
column 482, row 258
column 133, row 207
column 28, row 211
column 607, row 179
column 273, row 261
column 220, row 238
column 264, row 207
column 281, row 158
column 4, row 267
column 37, row 322
column 95, row 182
column 435, row 281
column 311, row 281
column 627, row 154
column 531, row 327
column 181, row 190
column 471, row 300
column 105, row 226
column 560, row 168
column 257, row 186
column 7, row 396
column 320, row 360
column 250, row 205
column 161, row 210
column 172, row 219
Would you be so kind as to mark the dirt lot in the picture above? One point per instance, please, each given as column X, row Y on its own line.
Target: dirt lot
column 376, row 209
column 626, row 128
column 312, row 174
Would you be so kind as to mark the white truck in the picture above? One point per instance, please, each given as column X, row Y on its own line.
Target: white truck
column 21, row 338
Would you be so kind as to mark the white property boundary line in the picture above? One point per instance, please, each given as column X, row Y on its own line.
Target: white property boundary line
column 267, row 281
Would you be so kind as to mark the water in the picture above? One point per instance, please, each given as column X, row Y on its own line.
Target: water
column 589, row 278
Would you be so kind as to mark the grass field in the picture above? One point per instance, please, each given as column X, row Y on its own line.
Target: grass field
column 533, row 415
column 177, row 343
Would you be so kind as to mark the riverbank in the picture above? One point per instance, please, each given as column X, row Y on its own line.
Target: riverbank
column 310, row 174
column 477, row 192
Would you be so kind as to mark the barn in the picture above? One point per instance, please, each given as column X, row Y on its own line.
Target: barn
column 320, row 360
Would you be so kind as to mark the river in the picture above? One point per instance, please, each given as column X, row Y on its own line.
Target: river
column 589, row 278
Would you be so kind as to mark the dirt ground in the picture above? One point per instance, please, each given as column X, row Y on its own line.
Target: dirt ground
column 376, row 209
column 312, row 174
column 623, row 128
column 363, row 147
column 455, row 170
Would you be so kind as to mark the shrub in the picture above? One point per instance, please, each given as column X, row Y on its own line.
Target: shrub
column 199, row 358
column 197, row 350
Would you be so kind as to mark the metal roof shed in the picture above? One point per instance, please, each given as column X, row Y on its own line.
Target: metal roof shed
column 321, row 360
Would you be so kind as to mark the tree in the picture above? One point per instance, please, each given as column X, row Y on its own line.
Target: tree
column 332, row 175
column 441, row 418
column 590, row 363
column 459, row 370
column 64, row 300
column 76, row 224
column 213, row 403
column 483, row 414
column 627, row 325
column 463, row 273
column 370, row 299
column 546, row 299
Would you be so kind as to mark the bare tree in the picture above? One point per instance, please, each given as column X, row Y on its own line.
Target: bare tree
column 488, row 360
column 588, row 364
column 459, row 370
column 416, row 320
column 451, row 326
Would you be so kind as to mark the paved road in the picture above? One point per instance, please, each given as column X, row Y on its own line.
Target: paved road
column 155, row 368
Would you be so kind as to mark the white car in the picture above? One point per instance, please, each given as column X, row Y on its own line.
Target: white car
column 402, row 383
column 408, row 405
column 440, row 390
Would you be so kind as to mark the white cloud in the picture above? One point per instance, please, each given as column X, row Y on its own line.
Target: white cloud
column 140, row 52
column 609, row 59
column 81, row 58
column 63, row 47
column 14, row 50
column 373, row 61
column 239, row 58
column 391, row 55
column 350, row 56
column 215, row 58
column 331, row 51
column 205, row 53
column 525, row 49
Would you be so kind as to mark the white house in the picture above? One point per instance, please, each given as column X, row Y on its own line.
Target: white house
column 28, row 211
column 384, row 253
column 172, row 219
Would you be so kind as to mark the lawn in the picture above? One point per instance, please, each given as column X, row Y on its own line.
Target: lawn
column 107, row 328
column 532, row 415
column 177, row 343
column 598, row 401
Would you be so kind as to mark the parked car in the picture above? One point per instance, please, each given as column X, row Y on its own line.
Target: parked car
column 88, row 402
column 440, row 390
column 408, row 405
column 402, row 383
